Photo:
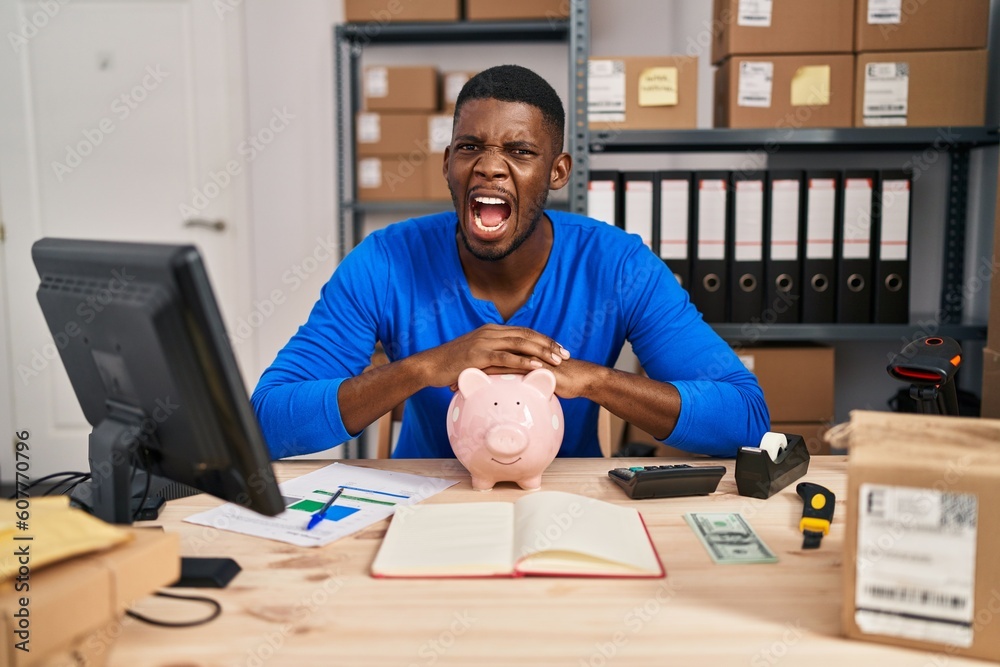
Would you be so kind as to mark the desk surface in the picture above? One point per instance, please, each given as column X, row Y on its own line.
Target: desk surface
column 301, row 606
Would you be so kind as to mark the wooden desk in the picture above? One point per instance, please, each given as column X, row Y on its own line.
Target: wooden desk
column 298, row 606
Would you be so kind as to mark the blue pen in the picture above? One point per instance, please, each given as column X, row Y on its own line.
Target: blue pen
column 320, row 515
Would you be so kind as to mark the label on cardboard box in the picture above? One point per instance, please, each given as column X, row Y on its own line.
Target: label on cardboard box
column 439, row 132
column 887, row 89
column 370, row 172
column 885, row 11
column 369, row 128
column 754, row 13
column 376, row 82
column 453, row 84
column 756, row 79
column 658, row 87
column 747, row 360
column 916, row 563
column 606, row 91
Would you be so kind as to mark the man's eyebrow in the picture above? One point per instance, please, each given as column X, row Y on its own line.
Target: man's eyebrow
column 469, row 137
column 521, row 144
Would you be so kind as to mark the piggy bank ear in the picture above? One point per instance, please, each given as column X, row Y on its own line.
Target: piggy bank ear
column 472, row 380
column 542, row 379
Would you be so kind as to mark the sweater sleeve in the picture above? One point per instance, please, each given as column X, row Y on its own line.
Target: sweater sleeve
column 296, row 399
column 722, row 405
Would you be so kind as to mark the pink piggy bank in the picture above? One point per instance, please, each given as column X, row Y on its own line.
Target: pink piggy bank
column 505, row 428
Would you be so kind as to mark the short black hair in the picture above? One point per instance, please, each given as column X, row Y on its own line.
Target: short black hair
column 513, row 83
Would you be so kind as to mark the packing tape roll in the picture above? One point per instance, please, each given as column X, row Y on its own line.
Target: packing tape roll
column 773, row 444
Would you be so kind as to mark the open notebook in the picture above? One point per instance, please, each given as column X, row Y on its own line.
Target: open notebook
column 549, row 533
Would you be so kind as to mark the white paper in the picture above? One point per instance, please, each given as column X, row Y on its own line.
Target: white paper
column 748, row 238
column 754, row 13
column 601, row 201
column 639, row 210
column 756, row 79
column 820, row 218
column 895, row 223
column 916, row 563
column 370, row 172
column 606, row 91
column 856, row 243
column 785, row 220
column 439, row 132
column 674, row 218
column 886, row 97
column 885, row 11
column 374, row 494
column 453, row 84
column 376, row 82
column 369, row 128
column 712, row 219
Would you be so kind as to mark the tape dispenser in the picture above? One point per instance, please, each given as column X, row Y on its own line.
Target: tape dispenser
column 779, row 460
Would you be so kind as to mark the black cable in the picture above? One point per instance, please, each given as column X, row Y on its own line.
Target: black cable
column 216, row 610
column 46, row 478
column 73, row 480
column 75, row 484
column 145, row 491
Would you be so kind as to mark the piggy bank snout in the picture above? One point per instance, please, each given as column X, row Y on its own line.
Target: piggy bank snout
column 506, row 439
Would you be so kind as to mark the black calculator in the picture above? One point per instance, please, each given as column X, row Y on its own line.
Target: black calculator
column 667, row 481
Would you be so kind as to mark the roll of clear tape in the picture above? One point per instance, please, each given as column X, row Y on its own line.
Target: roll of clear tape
column 773, row 444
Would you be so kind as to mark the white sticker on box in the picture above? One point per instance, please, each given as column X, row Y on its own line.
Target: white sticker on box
column 885, row 11
column 453, row 84
column 369, row 128
column 376, row 82
column 820, row 218
column 370, row 173
column 747, row 360
column 916, row 563
column 894, row 229
column 748, row 232
column 756, row 79
column 712, row 196
column 856, row 243
column 887, row 90
column 674, row 207
column 439, row 132
column 754, row 13
column 606, row 91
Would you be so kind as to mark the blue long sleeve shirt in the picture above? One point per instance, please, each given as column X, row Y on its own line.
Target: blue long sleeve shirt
column 404, row 286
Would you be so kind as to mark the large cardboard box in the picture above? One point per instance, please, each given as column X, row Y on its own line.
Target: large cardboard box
column 71, row 602
column 921, row 25
column 991, row 384
column 643, row 93
column 408, row 88
column 782, row 26
column 798, row 381
column 920, row 88
column 785, row 91
column 491, row 10
column 388, row 11
column 392, row 178
column 922, row 533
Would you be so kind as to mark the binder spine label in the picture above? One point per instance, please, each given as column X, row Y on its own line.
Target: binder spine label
column 894, row 241
column 639, row 210
column 674, row 212
column 820, row 218
column 601, row 201
column 857, row 218
column 748, row 242
column 712, row 219
column 785, row 220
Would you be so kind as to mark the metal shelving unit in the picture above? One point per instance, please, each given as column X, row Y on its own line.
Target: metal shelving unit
column 350, row 40
column 844, row 332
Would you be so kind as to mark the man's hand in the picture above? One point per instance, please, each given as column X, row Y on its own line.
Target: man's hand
column 494, row 349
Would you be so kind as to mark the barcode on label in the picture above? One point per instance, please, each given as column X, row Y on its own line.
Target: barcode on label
column 958, row 510
column 917, row 596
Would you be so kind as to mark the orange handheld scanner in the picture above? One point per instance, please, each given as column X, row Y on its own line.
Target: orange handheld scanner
column 817, row 513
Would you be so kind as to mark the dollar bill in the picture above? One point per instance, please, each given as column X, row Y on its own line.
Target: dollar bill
column 728, row 538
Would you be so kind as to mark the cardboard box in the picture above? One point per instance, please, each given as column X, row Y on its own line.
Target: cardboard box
column 785, row 91
column 920, row 88
column 797, row 381
column 491, row 10
column 391, row 134
column 435, row 184
column 921, row 25
column 991, row 384
column 811, row 432
column 72, row 601
column 784, row 26
column 922, row 532
column 643, row 93
column 413, row 88
column 386, row 11
column 451, row 85
column 391, row 178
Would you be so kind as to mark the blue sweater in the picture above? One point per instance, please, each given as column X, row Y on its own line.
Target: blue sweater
column 404, row 286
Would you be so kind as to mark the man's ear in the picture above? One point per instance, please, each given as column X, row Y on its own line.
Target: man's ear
column 444, row 164
column 561, row 168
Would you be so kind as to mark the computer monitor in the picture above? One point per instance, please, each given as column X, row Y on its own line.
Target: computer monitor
column 145, row 348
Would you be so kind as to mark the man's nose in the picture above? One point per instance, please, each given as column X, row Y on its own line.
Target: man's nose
column 491, row 164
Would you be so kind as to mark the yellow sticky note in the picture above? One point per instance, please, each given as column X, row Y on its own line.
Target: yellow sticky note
column 811, row 86
column 658, row 87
